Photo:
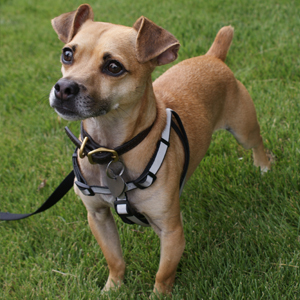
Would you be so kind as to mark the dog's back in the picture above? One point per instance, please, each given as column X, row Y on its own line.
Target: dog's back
column 207, row 96
column 198, row 77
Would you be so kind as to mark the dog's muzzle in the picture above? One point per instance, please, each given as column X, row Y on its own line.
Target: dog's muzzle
column 63, row 98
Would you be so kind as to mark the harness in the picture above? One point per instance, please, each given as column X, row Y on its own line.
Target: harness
column 100, row 155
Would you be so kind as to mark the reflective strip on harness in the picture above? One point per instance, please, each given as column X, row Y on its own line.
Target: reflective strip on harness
column 160, row 156
column 121, row 209
column 127, row 213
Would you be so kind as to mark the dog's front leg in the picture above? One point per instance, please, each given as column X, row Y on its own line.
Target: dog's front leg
column 104, row 229
column 172, row 245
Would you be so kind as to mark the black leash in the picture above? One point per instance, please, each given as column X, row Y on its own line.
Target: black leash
column 59, row 192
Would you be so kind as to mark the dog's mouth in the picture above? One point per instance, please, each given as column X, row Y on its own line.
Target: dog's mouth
column 63, row 110
column 66, row 113
column 79, row 107
column 71, row 114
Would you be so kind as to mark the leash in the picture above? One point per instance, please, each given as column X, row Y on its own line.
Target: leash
column 101, row 155
column 59, row 192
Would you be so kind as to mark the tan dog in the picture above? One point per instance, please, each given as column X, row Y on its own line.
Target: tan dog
column 107, row 83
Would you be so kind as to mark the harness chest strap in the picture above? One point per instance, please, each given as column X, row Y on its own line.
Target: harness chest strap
column 122, row 206
column 145, row 180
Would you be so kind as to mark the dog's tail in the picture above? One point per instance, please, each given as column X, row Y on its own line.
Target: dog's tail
column 222, row 43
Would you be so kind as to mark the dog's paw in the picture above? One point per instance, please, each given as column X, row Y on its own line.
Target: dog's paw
column 271, row 160
column 264, row 170
column 156, row 296
column 111, row 285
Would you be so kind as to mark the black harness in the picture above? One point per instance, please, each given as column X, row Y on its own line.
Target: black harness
column 122, row 205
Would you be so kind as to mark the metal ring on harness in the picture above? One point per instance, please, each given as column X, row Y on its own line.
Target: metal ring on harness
column 81, row 153
column 120, row 173
column 114, row 153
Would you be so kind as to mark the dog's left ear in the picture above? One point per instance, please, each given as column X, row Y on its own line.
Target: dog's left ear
column 68, row 24
column 154, row 43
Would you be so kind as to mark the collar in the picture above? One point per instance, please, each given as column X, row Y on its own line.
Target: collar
column 98, row 154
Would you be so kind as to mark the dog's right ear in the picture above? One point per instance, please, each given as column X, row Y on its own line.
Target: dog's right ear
column 68, row 24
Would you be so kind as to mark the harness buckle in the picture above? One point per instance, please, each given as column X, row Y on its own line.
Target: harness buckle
column 85, row 189
column 115, row 156
column 145, row 181
column 128, row 214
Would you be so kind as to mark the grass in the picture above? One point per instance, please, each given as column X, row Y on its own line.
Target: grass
column 242, row 229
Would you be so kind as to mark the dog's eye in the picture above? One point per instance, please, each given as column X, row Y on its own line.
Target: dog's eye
column 67, row 56
column 114, row 68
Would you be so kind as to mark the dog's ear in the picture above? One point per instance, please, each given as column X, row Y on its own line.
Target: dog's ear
column 154, row 43
column 68, row 24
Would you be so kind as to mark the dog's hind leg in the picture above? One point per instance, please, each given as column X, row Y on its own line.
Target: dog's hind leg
column 104, row 229
column 241, row 121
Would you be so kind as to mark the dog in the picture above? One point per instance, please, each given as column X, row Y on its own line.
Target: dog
column 107, row 83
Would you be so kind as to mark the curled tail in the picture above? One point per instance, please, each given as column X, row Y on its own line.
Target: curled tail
column 222, row 43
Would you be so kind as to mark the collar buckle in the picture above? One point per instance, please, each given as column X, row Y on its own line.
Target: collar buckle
column 114, row 156
column 81, row 150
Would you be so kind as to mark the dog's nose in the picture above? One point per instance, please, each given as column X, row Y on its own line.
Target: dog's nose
column 66, row 89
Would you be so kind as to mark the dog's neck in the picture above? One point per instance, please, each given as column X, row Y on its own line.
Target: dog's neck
column 123, row 123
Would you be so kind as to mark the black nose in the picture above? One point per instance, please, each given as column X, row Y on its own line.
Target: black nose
column 66, row 89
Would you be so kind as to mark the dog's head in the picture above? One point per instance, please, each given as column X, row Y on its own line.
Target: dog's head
column 106, row 66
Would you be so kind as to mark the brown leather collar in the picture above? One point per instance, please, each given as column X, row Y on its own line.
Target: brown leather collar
column 104, row 157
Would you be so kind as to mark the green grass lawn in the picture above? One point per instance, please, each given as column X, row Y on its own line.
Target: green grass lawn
column 242, row 229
